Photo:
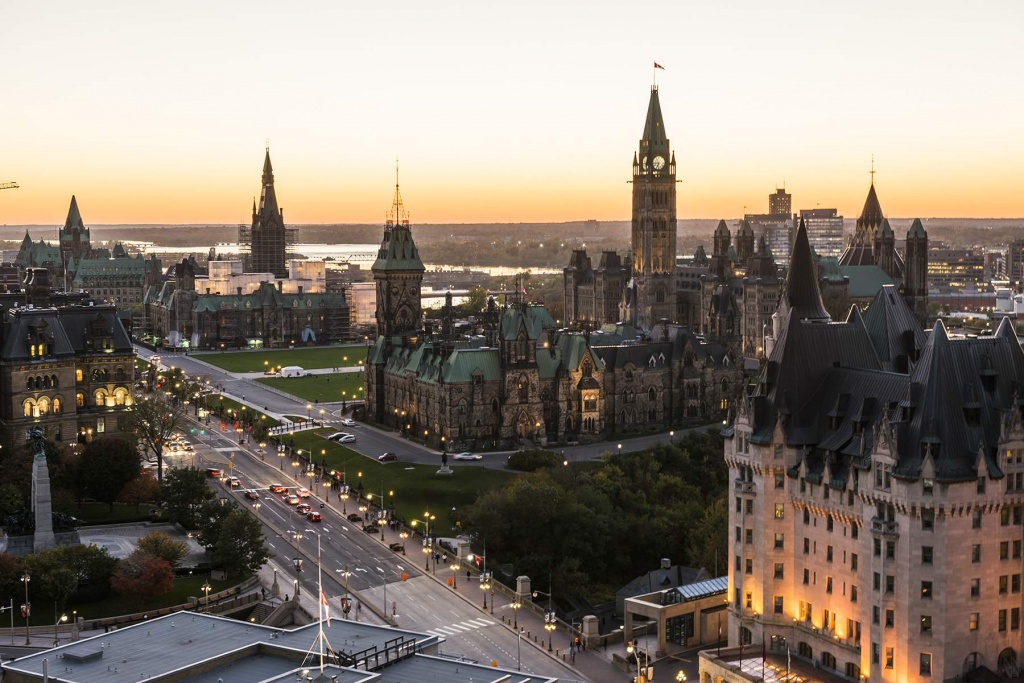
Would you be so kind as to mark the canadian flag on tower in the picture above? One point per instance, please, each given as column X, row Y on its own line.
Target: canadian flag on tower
column 658, row 66
column 327, row 609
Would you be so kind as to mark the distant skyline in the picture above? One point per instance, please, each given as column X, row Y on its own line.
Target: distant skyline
column 524, row 112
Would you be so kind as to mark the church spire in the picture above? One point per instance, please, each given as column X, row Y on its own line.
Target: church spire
column 398, row 214
column 654, row 147
column 268, row 169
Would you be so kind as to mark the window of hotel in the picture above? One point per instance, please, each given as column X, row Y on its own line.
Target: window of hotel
column 828, row 584
column 780, row 480
column 29, row 408
column 807, row 576
column 828, row 554
column 890, row 618
column 749, row 536
column 739, row 504
column 928, row 519
column 926, row 623
column 976, row 553
column 778, row 604
column 928, row 485
column 876, row 611
column 807, row 546
column 807, row 516
column 739, row 534
column 926, row 664
column 878, row 547
column 1015, row 583
column 981, row 485
column 853, row 594
column 780, row 569
column 1015, row 618
column 877, row 581
column 78, row 375
column 974, row 621
column 976, row 519
column 854, row 528
column 79, row 399
column 1003, row 584
column 739, row 563
column 1004, row 517
column 780, row 541
column 750, row 567
column 890, row 550
column 890, row 583
column 750, row 599
column 1002, row 620
column 926, row 590
column 926, row 554
column 853, row 561
column 975, row 588
column 750, row 507
column 890, row 655
column 1004, row 550
column 875, row 653
column 780, row 511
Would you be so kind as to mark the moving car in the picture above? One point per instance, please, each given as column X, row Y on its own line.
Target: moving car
column 214, row 472
column 252, row 495
column 314, row 516
column 387, row 457
column 302, row 493
column 348, row 422
column 293, row 499
column 467, row 456
column 303, row 508
column 235, row 482
column 278, row 488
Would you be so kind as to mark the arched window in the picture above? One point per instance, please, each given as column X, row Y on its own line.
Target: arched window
column 28, row 384
column 79, row 399
column 524, row 389
column 100, row 397
column 746, row 637
column 78, row 374
column 29, row 407
column 46, row 382
column 54, row 381
column 652, row 395
column 57, row 405
column 725, row 386
column 119, row 374
column 43, row 405
column 120, row 396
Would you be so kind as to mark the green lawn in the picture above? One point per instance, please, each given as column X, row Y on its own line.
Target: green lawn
column 412, row 489
column 307, row 358
column 323, row 388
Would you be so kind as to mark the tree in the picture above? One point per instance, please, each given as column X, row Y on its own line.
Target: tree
column 183, row 493
column 11, row 500
column 476, row 300
column 164, row 547
column 106, row 466
column 142, row 489
column 143, row 574
column 152, row 420
column 52, row 575
column 241, row 547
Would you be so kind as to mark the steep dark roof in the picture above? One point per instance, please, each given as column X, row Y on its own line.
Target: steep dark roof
column 916, row 229
column 74, row 219
column 871, row 215
column 268, row 210
column 894, row 331
column 961, row 390
column 802, row 292
column 654, row 125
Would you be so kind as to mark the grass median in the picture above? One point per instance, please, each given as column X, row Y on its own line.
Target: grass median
column 306, row 358
column 411, row 488
column 333, row 388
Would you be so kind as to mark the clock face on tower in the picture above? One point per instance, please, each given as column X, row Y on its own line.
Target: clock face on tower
column 658, row 163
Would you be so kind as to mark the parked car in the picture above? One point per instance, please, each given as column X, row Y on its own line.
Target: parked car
column 302, row 493
column 214, row 472
column 387, row 457
column 278, row 488
column 337, row 435
column 303, row 508
column 467, row 456
column 252, row 495
column 397, row 547
column 348, row 438
column 314, row 516
column 293, row 499
column 354, row 518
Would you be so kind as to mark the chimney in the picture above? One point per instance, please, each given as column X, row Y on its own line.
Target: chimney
column 666, row 563
column 37, row 287
column 238, row 290
column 300, row 290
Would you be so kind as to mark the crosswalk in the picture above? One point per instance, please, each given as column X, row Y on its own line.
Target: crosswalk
column 461, row 627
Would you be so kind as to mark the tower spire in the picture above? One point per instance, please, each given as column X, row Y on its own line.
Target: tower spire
column 872, row 170
column 398, row 213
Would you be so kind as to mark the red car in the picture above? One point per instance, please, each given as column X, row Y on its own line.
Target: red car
column 387, row 457
column 304, row 508
column 314, row 516
column 278, row 488
column 252, row 495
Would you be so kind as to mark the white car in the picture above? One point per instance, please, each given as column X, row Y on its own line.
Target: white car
column 348, row 438
column 348, row 422
column 337, row 435
column 467, row 456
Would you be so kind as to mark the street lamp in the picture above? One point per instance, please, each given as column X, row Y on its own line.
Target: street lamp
column 263, row 451
column 681, row 676
column 309, row 411
column 550, row 620
column 515, row 605
column 485, row 585
column 63, row 618
column 344, row 500
column 297, row 562
column 426, row 553
column 454, row 566
column 206, row 592
column 644, row 675
column 403, row 535
column 26, row 608
column 280, row 455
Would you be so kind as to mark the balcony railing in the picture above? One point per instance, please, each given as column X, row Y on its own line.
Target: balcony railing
column 882, row 526
column 745, row 486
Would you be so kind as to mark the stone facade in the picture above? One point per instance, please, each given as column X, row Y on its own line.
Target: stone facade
column 67, row 365
column 875, row 521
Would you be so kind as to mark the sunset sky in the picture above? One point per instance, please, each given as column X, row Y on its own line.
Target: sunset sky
column 157, row 112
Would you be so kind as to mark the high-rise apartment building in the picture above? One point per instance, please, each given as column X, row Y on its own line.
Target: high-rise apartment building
column 824, row 231
column 780, row 203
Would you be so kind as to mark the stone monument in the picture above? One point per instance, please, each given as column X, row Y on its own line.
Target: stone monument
column 445, row 470
column 42, row 503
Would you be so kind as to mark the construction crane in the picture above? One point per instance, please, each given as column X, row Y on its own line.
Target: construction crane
column 8, row 186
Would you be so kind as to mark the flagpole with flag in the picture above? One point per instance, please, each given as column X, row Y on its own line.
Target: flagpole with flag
column 764, row 654
column 656, row 67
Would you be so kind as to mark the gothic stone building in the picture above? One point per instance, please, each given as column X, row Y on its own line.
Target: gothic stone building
column 67, row 365
column 517, row 380
column 875, row 522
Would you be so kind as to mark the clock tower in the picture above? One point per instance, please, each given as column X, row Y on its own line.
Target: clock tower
column 654, row 221
column 398, row 273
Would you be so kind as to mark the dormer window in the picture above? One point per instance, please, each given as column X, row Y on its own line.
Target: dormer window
column 928, row 486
